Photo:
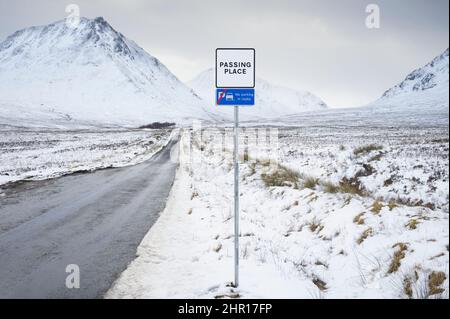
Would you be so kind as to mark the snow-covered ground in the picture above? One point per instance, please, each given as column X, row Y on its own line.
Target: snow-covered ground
column 316, row 220
column 407, row 165
column 40, row 154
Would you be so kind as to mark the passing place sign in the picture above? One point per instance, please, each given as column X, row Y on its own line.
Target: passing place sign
column 235, row 96
column 235, row 68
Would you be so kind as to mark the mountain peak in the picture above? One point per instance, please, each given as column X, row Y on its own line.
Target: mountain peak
column 99, row 24
column 433, row 75
column 91, row 72
column 64, row 35
column 442, row 57
column 101, row 20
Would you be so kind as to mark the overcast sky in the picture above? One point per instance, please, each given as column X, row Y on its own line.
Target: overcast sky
column 322, row 46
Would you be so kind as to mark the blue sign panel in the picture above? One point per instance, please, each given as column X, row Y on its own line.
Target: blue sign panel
column 235, row 96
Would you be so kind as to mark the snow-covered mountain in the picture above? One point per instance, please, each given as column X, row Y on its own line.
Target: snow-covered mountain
column 428, row 85
column 90, row 73
column 270, row 101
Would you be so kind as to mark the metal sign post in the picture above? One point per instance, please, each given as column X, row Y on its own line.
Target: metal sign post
column 236, row 195
column 235, row 82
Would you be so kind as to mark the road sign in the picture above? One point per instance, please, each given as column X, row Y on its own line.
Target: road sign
column 235, row 83
column 235, row 68
column 235, row 97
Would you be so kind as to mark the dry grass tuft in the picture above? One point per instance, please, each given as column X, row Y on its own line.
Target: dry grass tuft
column 345, row 186
column 329, row 187
column 281, row 176
column 322, row 285
column 194, row 194
column 359, row 220
column 347, row 200
column 412, row 224
column 392, row 204
column 376, row 158
column 314, row 225
column 397, row 258
column 368, row 232
column 388, row 182
column 310, row 182
column 350, row 186
column 408, row 286
column 435, row 280
column 367, row 149
column 377, row 206
column 313, row 199
column 264, row 162
column 320, row 263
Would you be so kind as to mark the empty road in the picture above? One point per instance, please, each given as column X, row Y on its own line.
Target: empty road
column 93, row 220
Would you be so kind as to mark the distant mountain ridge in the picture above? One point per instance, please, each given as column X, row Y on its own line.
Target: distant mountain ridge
column 58, row 75
column 430, row 82
column 90, row 73
column 271, row 101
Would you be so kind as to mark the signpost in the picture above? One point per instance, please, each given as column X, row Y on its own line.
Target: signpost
column 235, row 83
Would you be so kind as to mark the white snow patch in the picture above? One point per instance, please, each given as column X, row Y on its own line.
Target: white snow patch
column 295, row 243
column 38, row 154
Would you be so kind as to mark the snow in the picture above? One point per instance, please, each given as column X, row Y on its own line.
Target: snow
column 89, row 74
column 301, row 241
column 178, row 258
column 271, row 101
column 421, row 100
column 410, row 166
column 427, row 85
column 37, row 155
column 84, row 85
column 413, row 112
column 433, row 76
column 295, row 242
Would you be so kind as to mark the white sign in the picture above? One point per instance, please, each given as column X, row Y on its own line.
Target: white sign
column 235, row 68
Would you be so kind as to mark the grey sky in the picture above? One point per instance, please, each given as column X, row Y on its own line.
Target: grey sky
column 318, row 45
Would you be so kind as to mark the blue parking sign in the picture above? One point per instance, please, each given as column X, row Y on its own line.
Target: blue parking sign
column 235, row 97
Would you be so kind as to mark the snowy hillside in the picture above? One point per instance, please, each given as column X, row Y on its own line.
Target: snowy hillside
column 422, row 99
column 426, row 86
column 271, row 101
column 91, row 73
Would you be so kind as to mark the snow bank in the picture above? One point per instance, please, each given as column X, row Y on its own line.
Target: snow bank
column 37, row 154
column 295, row 242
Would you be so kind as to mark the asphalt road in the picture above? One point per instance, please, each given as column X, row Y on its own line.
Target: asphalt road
column 93, row 220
